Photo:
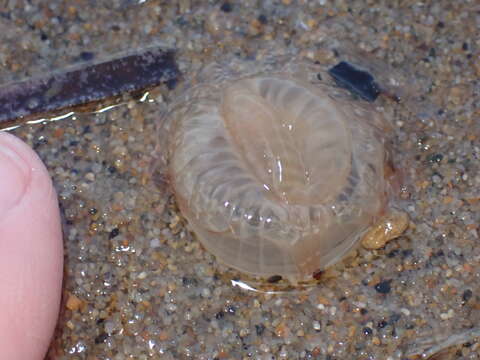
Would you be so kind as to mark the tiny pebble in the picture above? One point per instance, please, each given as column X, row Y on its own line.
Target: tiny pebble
column 367, row 331
column 383, row 287
column 74, row 303
column 226, row 7
column 467, row 295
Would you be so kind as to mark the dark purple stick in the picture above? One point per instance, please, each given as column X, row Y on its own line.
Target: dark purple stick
column 87, row 83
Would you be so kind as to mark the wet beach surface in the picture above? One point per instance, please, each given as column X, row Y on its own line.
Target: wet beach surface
column 137, row 283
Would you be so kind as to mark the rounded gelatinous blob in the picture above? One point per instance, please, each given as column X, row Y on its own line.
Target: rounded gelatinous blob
column 275, row 175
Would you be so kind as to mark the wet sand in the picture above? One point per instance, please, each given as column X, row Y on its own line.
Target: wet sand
column 137, row 283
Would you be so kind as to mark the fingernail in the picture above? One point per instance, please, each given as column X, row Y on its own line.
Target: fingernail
column 14, row 172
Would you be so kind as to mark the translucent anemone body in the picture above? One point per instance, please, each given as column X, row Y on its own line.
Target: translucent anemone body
column 277, row 174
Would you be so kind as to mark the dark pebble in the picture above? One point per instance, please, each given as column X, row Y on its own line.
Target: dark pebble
column 262, row 19
column 363, row 311
column 171, row 83
column 114, row 233
column 226, row 7
column 274, row 279
column 5, row 15
column 407, row 252
column 367, row 331
column 381, row 324
column 383, row 287
column 435, row 158
column 231, row 309
column 357, row 81
column 101, row 338
column 467, row 294
column 188, row 281
column 87, row 130
column 259, row 329
column 41, row 141
column 87, row 55
column 393, row 253
column 439, row 253
column 219, row 315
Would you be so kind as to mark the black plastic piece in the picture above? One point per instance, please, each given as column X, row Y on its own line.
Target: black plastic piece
column 357, row 81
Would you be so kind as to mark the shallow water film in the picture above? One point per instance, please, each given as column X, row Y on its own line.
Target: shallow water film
column 137, row 282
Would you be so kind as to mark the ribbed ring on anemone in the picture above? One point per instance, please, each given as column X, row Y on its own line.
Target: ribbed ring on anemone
column 275, row 175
